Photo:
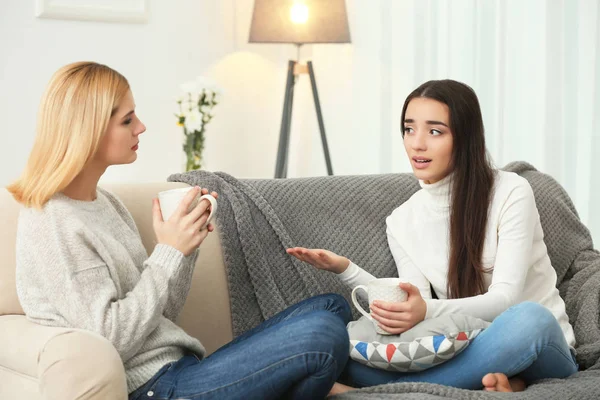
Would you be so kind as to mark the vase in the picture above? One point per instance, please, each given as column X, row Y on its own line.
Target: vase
column 193, row 148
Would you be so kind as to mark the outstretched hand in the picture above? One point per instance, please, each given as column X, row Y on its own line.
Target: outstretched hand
column 321, row 259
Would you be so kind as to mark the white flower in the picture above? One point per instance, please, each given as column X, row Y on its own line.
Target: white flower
column 194, row 98
column 194, row 117
column 190, row 87
column 206, row 110
column 185, row 106
column 193, row 120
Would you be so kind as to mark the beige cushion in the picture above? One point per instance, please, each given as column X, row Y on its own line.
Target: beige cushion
column 69, row 363
column 81, row 365
column 9, row 213
column 17, row 386
column 21, row 342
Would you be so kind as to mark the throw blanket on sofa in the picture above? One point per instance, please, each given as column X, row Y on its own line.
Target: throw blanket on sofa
column 260, row 218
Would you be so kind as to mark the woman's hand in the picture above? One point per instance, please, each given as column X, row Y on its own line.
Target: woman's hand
column 321, row 259
column 183, row 230
column 396, row 318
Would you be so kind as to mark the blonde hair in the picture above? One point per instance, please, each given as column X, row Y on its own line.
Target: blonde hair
column 73, row 116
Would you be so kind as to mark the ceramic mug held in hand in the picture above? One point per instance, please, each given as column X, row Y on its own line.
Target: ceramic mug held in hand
column 169, row 201
column 385, row 289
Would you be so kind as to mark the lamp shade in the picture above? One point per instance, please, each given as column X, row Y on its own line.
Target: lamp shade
column 299, row 22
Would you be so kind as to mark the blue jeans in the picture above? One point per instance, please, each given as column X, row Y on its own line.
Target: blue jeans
column 297, row 354
column 525, row 340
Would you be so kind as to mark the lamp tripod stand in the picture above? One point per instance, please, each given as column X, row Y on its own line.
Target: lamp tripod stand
column 294, row 70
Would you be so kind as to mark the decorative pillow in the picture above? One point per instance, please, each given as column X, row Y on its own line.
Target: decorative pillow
column 427, row 344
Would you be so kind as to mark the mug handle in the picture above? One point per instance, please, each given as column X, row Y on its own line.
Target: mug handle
column 213, row 208
column 357, row 305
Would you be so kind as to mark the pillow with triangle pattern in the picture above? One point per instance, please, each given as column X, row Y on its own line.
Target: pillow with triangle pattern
column 429, row 343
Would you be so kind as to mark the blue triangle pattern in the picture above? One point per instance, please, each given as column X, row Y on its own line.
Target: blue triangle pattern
column 362, row 349
column 437, row 341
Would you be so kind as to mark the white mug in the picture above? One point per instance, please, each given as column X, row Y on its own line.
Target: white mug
column 385, row 289
column 169, row 201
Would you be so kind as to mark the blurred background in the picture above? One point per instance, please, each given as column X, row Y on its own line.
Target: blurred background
column 534, row 64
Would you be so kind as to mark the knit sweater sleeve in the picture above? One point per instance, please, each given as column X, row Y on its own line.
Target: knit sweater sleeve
column 516, row 229
column 63, row 281
column 179, row 286
column 179, row 282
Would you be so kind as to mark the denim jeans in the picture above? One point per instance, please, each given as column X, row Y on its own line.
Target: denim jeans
column 525, row 340
column 297, row 354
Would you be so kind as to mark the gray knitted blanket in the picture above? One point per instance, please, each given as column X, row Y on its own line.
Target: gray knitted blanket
column 260, row 218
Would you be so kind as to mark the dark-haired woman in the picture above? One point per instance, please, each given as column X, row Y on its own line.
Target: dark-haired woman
column 473, row 235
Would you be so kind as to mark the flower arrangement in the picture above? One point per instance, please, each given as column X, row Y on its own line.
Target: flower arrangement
column 195, row 112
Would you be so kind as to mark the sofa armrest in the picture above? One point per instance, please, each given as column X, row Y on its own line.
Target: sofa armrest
column 68, row 363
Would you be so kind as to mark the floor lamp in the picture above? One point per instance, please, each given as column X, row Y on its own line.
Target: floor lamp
column 299, row 22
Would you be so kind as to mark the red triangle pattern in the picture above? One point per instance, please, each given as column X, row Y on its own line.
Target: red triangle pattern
column 389, row 351
column 462, row 336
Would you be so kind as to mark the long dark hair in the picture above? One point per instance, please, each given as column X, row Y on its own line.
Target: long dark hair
column 472, row 184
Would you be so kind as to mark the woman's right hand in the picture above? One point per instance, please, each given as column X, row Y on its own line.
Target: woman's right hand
column 182, row 229
column 321, row 259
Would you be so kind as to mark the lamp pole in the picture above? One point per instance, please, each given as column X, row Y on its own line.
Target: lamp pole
column 295, row 69
column 299, row 22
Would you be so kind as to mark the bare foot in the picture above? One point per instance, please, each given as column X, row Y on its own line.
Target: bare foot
column 339, row 388
column 500, row 383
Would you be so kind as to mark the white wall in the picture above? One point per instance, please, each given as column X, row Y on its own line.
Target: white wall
column 183, row 39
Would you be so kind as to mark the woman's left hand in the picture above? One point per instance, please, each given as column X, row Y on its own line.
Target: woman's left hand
column 396, row 318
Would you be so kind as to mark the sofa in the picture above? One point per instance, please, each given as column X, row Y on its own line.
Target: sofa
column 39, row 362
column 257, row 220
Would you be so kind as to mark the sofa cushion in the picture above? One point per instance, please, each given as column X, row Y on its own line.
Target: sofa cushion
column 65, row 370
column 59, row 360
column 22, row 341
column 426, row 345
column 20, row 387
column 9, row 213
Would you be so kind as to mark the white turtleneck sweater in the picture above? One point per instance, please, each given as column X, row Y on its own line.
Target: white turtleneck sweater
column 514, row 253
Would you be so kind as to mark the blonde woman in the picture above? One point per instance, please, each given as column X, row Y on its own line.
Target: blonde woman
column 81, row 263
